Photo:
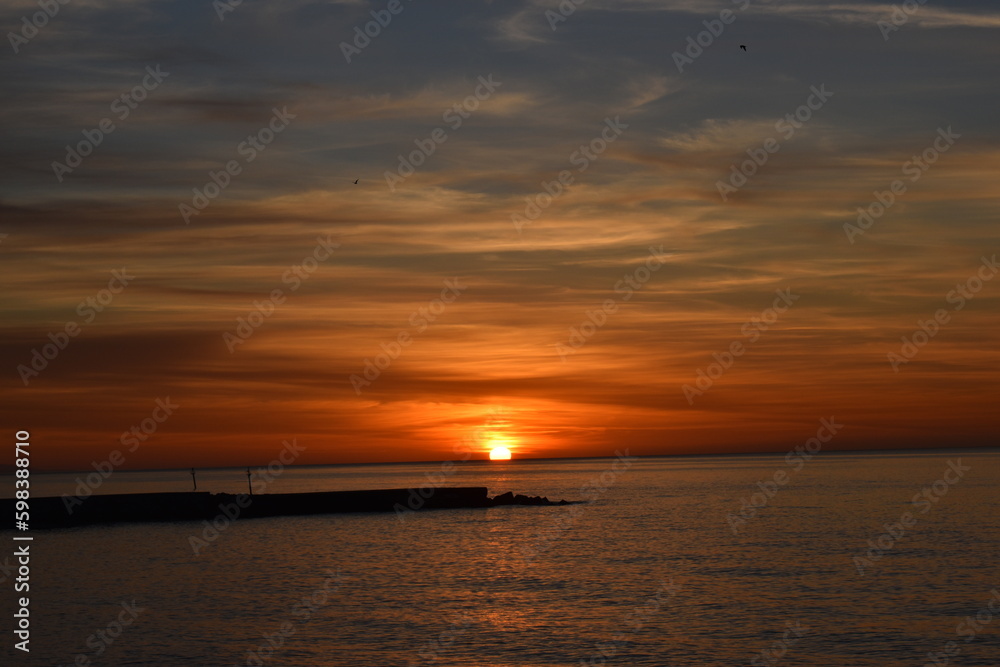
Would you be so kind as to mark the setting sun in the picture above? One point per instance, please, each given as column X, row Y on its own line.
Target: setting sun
column 499, row 454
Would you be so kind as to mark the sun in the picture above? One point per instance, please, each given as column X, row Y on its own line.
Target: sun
column 499, row 454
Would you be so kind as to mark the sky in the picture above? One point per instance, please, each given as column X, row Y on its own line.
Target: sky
column 576, row 228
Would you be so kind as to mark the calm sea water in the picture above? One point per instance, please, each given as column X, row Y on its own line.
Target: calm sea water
column 648, row 573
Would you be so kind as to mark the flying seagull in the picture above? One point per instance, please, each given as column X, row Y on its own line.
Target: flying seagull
column 743, row 46
column 356, row 181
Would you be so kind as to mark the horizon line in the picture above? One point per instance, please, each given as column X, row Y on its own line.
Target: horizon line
column 534, row 459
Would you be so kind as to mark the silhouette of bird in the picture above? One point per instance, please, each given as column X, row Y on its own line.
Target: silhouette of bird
column 356, row 181
column 743, row 46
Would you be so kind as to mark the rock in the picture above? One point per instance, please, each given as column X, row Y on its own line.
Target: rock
column 504, row 499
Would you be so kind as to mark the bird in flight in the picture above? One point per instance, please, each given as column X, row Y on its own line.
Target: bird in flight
column 743, row 46
column 356, row 181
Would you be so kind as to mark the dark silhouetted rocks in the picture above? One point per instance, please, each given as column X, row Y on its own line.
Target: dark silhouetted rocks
column 510, row 499
column 504, row 499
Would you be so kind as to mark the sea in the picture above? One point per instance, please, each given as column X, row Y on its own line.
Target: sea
column 841, row 559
